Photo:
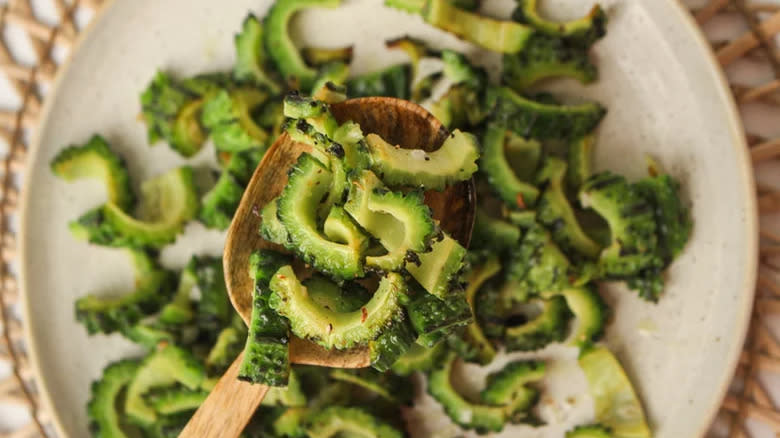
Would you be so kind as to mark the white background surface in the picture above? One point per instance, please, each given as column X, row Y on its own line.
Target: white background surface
column 758, row 119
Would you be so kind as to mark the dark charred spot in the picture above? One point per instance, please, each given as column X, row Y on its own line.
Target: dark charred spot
column 412, row 257
column 337, row 150
column 516, row 320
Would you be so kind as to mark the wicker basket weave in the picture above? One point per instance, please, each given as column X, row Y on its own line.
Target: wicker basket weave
column 748, row 407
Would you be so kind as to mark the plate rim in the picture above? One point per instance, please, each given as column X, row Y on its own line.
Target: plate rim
column 743, row 163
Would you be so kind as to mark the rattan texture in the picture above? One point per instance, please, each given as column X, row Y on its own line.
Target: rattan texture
column 749, row 400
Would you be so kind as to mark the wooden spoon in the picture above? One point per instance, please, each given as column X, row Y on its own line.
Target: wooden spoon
column 232, row 403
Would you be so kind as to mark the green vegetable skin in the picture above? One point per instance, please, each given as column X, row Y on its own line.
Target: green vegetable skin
column 307, row 184
column 415, row 48
column 266, row 354
column 172, row 110
column 104, row 420
column 495, row 35
column 551, row 325
column 280, row 47
column 251, row 60
column 168, row 201
column 543, row 121
column 555, row 49
column 394, row 81
column 332, row 329
column 95, row 159
column 631, row 222
column 439, row 268
column 343, row 421
column 419, row 358
column 220, row 203
column 538, row 266
column 435, row 319
column 494, row 165
column 547, row 57
column 592, row 431
column 228, row 116
column 591, row 313
column 492, row 233
column 581, row 32
column 319, row 56
column 509, row 388
column 555, row 212
column 164, row 367
column 481, row 417
column 615, row 402
column 401, row 222
column 472, row 344
column 453, row 162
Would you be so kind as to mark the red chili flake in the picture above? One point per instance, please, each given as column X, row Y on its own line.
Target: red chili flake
column 281, row 277
column 364, row 314
column 572, row 279
column 520, row 200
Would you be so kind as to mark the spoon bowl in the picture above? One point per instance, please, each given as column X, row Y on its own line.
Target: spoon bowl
column 232, row 402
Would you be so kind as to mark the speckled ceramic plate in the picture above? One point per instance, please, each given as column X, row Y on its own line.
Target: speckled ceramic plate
column 665, row 96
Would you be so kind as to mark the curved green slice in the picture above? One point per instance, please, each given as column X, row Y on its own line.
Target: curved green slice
column 496, row 35
column 337, row 421
column 617, row 405
column 516, row 193
column 95, row 159
column 280, row 46
column 331, row 329
column 251, row 62
column 167, row 202
column 469, row 415
column 308, row 183
column 454, row 161
column 104, row 420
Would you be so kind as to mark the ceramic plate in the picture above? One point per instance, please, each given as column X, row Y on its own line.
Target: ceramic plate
column 665, row 98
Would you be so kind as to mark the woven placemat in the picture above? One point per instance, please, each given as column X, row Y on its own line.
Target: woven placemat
column 748, row 407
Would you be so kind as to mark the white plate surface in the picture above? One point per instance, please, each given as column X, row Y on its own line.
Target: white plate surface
column 665, row 97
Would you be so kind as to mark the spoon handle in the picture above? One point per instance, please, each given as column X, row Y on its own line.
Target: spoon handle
column 228, row 408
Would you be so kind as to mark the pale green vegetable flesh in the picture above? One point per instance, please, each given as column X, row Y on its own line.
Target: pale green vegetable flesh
column 615, row 402
column 329, row 328
column 496, row 35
